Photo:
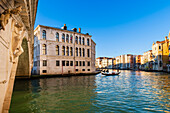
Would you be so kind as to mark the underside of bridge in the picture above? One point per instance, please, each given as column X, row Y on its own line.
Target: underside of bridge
column 17, row 18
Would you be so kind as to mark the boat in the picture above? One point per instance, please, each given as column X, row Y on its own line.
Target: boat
column 109, row 74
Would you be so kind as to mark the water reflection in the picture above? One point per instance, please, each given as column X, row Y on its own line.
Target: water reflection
column 132, row 91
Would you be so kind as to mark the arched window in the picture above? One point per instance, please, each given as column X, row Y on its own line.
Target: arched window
column 71, row 51
column 83, row 40
column 80, row 52
column 88, row 42
column 76, row 51
column 57, row 50
column 44, row 34
column 79, row 40
column 76, row 40
column 63, row 38
column 57, row 37
column 67, row 51
column 71, row 38
column 67, row 38
column 83, row 52
column 44, row 49
column 63, row 50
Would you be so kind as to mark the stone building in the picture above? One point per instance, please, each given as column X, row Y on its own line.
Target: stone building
column 62, row 51
column 17, row 18
column 129, row 61
column 138, row 61
column 104, row 62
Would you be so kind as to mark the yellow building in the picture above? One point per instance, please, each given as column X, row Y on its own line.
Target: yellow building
column 160, row 51
column 165, row 55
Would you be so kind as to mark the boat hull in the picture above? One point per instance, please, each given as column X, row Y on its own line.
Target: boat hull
column 111, row 74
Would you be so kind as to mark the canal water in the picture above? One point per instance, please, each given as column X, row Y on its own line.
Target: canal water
column 132, row 91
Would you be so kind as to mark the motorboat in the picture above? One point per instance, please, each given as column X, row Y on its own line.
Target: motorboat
column 109, row 74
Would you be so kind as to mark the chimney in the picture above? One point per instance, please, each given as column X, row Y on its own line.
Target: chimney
column 74, row 29
column 65, row 27
column 166, row 39
column 79, row 30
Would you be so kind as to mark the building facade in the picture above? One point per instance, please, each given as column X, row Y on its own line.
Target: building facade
column 104, row 62
column 62, row 51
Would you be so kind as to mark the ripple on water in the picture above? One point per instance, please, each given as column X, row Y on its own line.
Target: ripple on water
column 130, row 92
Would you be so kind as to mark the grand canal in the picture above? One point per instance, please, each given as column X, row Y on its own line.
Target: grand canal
column 132, row 91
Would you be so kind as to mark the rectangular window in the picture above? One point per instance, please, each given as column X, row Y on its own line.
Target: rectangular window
column 83, row 63
column 159, row 47
column 77, row 70
column 67, row 63
column 71, row 63
column 79, row 63
column 44, row 62
column 57, row 63
column 88, row 70
column 38, row 63
column 76, row 63
column 83, row 69
column 44, row 71
column 63, row 63
column 88, row 52
column 88, row 63
column 35, row 63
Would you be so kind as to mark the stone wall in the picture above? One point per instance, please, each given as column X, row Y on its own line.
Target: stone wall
column 23, row 62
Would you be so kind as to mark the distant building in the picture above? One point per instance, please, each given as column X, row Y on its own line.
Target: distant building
column 128, row 61
column 146, row 60
column 104, row 62
column 160, row 51
column 62, row 51
column 138, row 61
column 118, row 61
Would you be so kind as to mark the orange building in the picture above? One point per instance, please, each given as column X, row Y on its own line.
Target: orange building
column 138, row 61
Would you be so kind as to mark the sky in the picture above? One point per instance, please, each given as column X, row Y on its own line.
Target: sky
column 117, row 26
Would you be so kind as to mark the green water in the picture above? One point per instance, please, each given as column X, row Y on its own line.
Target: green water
column 132, row 91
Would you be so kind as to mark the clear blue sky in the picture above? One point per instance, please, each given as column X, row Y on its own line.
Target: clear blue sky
column 117, row 26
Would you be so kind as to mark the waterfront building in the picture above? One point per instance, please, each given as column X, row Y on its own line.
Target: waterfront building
column 146, row 60
column 138, row 61
column 168, row 65
column 98, row 63
column 128, row 61
column 110, row 63
column 165, row 53
column 122, row 61
column 118, row 61
column 104, row 62
column 160, row 51
column 62, row 51
column 114, row 62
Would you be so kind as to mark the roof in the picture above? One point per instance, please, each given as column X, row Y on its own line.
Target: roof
column 162, row 41
column 57, row 28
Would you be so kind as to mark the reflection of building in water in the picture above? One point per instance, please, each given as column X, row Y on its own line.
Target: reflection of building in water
column 65, row 94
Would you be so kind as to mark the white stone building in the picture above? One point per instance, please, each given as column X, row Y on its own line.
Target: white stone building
column 104, row 62
column 62, row 51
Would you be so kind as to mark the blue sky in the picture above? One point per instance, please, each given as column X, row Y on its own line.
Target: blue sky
column 117, row 26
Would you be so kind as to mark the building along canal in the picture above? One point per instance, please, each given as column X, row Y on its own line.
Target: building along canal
column 132, row 91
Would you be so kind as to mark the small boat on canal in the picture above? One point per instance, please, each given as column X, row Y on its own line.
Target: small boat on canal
column 110, row 74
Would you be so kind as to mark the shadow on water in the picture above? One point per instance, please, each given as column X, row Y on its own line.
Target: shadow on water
column 132, row 91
